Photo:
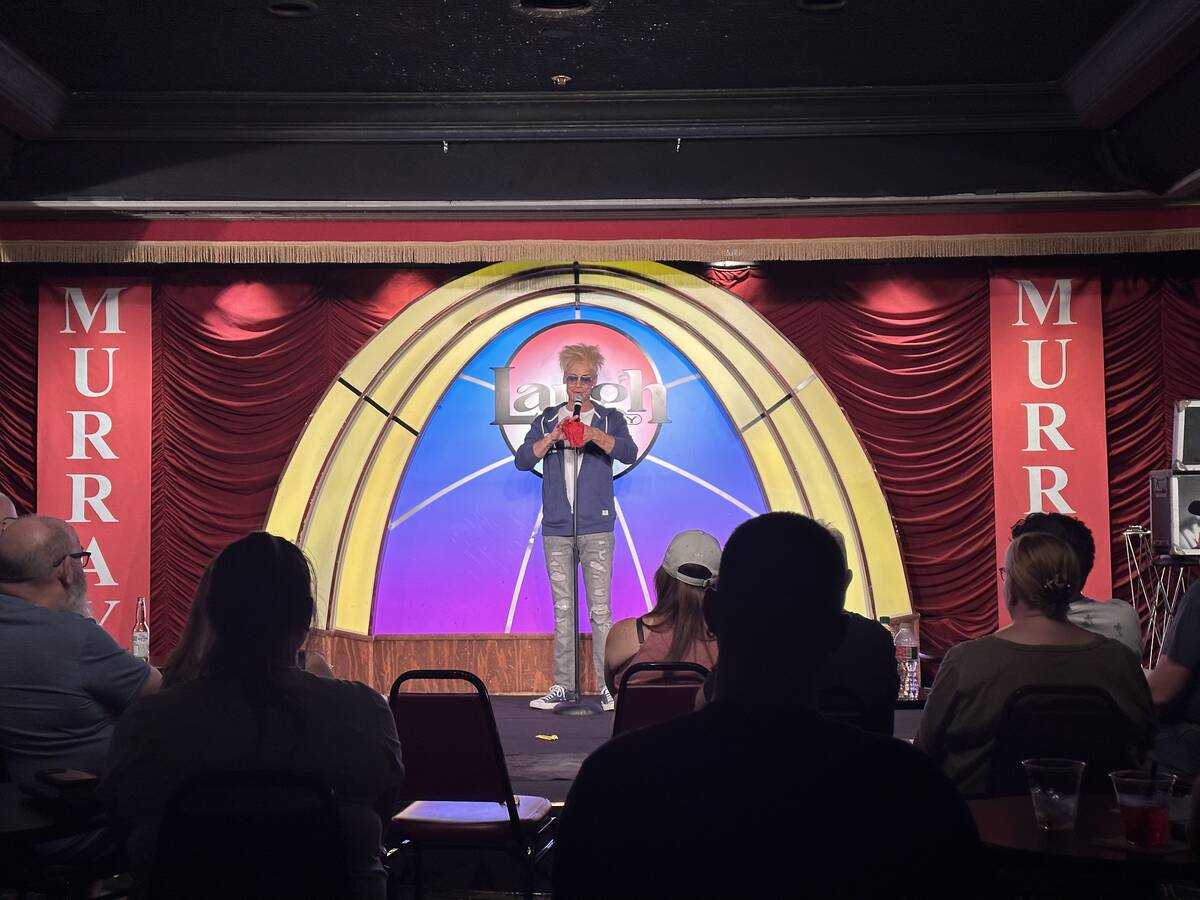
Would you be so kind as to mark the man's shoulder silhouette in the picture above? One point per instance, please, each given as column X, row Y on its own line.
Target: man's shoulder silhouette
column 766, row 797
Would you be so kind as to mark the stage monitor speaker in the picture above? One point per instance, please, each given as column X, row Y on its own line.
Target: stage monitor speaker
column 1185, row 445
column 1175, row 513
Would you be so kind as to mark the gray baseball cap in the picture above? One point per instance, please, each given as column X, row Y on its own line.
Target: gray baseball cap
column 694, row 552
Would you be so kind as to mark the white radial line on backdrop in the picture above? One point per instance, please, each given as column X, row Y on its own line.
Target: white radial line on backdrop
column 637, row 563
column 478, row 381
column 704, row 484
column 447, row 489
column 678, row 381
column 512, row 607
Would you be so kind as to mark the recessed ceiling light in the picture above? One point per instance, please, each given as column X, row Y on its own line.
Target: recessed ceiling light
column 819, row 5
column 293, row 9
column 557, row 8
column 560, row 80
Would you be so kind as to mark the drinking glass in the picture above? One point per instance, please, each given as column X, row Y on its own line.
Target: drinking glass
column 1054, row 787
column 1144, row 799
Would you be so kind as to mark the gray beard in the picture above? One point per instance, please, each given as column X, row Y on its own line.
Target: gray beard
column 78, row 602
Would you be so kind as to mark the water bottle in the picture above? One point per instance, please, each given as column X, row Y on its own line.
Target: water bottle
column 908, row 662
column 140, row 644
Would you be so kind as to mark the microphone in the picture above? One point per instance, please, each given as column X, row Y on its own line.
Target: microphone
column 578, row 408
column 1194, row 507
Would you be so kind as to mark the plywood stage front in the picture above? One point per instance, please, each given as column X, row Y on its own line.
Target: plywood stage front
column 507, row 663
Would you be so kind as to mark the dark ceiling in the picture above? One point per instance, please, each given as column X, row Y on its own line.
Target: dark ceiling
column 745, row 102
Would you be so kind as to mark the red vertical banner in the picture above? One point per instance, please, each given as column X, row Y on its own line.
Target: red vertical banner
column 1049, row 443
column 94, row 370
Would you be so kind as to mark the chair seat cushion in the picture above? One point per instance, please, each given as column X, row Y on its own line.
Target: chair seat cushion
column 467, row 822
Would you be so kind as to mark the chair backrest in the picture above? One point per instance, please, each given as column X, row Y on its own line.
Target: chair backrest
column 670, row 694
column 450, row 742
column 261, row 834
column 1063, row 721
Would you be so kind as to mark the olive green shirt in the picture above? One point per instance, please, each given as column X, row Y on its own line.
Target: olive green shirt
column 977, row 677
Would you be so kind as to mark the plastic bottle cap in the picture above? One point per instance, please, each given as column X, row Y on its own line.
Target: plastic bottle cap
column 885, row 620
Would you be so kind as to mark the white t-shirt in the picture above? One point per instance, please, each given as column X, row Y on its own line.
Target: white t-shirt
column 1114, row 619
column 572, row 458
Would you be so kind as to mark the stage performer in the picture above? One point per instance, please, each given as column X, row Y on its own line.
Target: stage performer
column 577, row 442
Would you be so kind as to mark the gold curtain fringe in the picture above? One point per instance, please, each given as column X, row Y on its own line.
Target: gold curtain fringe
column 800, row 249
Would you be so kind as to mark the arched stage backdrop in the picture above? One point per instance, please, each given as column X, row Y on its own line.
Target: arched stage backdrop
column 402, row 487
column 928, row 359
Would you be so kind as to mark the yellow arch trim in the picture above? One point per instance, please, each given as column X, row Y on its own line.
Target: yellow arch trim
column 336, row 492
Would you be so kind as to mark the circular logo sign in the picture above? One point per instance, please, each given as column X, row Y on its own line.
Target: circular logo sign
column 628, row 383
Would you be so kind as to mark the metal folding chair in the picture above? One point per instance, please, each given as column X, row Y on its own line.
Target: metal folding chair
column 456, row 791
column 671, row 693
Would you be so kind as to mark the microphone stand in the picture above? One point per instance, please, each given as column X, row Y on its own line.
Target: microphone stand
column 578, row 706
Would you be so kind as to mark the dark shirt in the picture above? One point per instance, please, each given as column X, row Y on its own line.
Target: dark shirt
column 1182, row 644
column 730, row 802
column 860, row 678
column 859, row 682
column 63, row 682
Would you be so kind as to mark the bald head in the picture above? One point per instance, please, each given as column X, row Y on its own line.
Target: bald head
column 35, row 562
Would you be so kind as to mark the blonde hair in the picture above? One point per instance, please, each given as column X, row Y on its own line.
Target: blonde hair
column 1043, row 572
column 587, row 354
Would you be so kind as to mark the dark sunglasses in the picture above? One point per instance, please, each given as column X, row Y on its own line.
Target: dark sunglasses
column 83, row 556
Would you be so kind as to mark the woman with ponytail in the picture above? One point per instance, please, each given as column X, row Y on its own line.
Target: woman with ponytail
column 253, row 707
column 1041, row 647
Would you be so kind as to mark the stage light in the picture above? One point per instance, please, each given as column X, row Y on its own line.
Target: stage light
column 731, row 265
column 819, row 5
column 557, row 8
column 293, row 9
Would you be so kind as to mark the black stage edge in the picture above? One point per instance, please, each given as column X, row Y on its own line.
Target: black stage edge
column 546, row 768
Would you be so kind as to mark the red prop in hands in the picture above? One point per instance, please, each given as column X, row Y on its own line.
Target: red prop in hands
column 573, row 429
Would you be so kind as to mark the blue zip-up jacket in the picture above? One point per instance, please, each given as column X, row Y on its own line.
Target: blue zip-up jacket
column 594, row 492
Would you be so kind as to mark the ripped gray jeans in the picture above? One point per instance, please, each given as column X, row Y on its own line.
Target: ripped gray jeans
column 595, row 558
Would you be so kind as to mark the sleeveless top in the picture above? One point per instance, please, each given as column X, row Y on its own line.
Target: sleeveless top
column 655, row 645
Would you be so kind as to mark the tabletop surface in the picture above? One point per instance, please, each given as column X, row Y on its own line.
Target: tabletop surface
column 1008, row 823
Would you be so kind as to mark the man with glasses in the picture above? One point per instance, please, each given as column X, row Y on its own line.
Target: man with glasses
column 63, row 680
column 577, row 489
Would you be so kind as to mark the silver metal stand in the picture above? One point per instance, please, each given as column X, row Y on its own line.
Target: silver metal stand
column 1156, row 585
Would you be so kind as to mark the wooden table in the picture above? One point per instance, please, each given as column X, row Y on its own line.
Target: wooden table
column 1072, row 864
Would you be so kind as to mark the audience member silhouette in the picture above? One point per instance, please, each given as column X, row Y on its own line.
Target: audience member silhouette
column 1040, row 647
column 63, row 680
column 187, row 659
column 858, row 681
column 674, row 631
column 253, row 708
column 1175, row 688
column 1115, row 619
column 756, row 794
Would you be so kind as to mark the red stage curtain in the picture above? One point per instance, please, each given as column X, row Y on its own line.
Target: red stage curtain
column 241, row 360
column 904, row 348
column 242, row 356
column 1151, row 359
column 18, row 387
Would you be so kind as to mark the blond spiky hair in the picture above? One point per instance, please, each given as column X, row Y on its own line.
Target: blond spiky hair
column 587, row 354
